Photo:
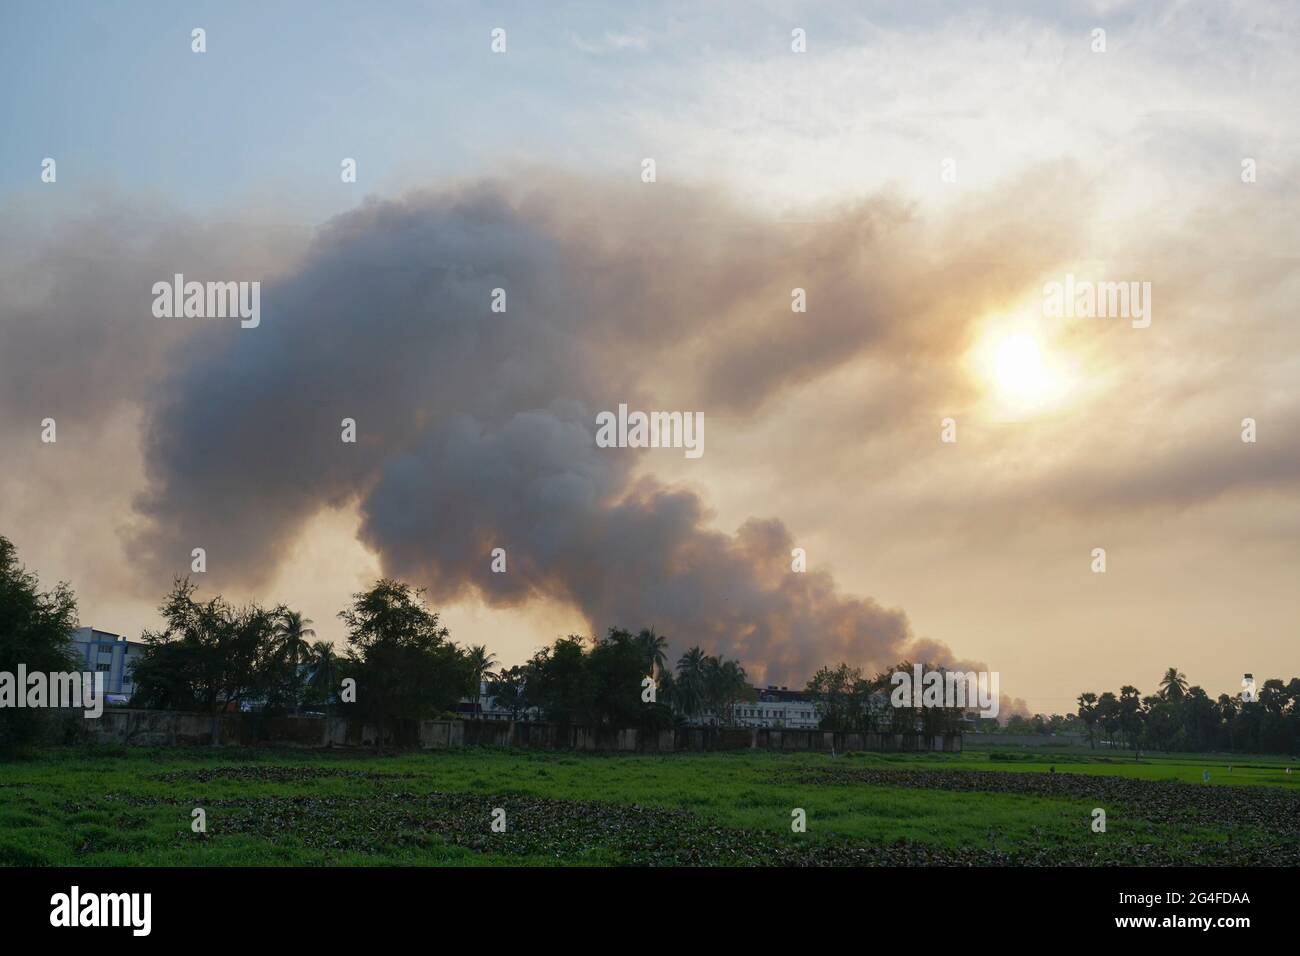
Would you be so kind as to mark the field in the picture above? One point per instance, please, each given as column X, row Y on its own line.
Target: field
column 92, row 807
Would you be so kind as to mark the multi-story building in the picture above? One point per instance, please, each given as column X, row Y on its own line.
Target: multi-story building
column 775, row 707
column 779, row 707
column 113, row 656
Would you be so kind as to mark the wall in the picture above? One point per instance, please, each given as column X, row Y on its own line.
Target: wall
column 980, row 741
column 159, row 728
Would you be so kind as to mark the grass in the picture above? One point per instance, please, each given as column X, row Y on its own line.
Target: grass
column 266, row 807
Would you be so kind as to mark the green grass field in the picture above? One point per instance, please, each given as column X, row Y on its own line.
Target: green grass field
column 88, row 807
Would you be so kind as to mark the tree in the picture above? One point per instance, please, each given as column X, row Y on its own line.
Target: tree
column 405, row 666
column 600, row 684
column 556, row 680
column 1173, row 685
column 481, row 662
column 654, row 647
column 290, row 650
column 1108, row 715
column 35, row 630
column 320, row 681
column 725, row 685
column 616, row 671
column 838, row 692
column 210, row 656
column 1088, row 714
column 690, row 681
column 1130, row 715
column 668, row 693
column 1199, row 719
column 507, row 688
column 1162, row 726
column 292, row 631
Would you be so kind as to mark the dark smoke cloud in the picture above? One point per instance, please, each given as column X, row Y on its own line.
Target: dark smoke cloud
column 476, row 430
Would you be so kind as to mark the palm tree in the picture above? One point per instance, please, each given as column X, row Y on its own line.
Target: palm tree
column 1130, row 714
column 713, row 686
column 690, row 680
column 291, row 635
column 322, row 677
column 725, row 682
column 655, row 648
column 481, row 661
column 732, row 686
column 1173, row 686
column 1088, row 713
column 322, row 659
column 291, row 647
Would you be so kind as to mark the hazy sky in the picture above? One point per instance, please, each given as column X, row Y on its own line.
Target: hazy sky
column 922, row 171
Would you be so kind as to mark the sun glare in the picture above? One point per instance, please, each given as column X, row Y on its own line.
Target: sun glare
column 1019, row 369
column 1022, row 375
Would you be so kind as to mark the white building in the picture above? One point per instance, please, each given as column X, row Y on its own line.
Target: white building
column 110, row 654
column 775, row 707
column 487, row 708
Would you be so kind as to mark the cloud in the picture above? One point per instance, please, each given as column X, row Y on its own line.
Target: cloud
column 475, row 429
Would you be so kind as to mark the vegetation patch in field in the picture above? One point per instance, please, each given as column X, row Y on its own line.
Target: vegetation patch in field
column 1270, row 809
column 272, row 774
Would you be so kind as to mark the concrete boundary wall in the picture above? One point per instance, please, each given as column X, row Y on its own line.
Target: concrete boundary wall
column 980, row 741
column 161, row 728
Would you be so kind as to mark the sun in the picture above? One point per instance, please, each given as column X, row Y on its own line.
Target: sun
column 1019, row 370
column 1021, row 373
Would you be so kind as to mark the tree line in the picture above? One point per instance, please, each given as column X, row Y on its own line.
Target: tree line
column 1178, row 717
column 403, row 666
column 400, row 664
column 34, row 628
column 850, row 700
column 579, row 681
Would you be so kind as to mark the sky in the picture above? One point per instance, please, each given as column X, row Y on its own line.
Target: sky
column 923, row 171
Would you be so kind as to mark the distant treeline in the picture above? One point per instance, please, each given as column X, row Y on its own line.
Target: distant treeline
column 400, row 664
column 1179, row 717
column 848, row 700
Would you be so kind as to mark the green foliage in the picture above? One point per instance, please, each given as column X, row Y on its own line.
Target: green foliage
column 845, row 698
column 507, row 689
column 399, row 655
column 601, row 685
column 35, row 630
column 290, row 656
column 556, row 680
column 480, row 661
column 849, row 701
column 1183, row 718
column 707, row 685
column 210, row 655
column 70, row 807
